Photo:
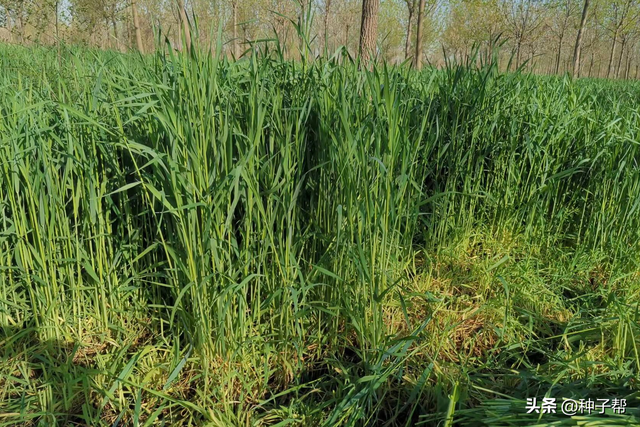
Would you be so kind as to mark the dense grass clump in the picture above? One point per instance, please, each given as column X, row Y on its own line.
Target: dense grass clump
column 192, row 241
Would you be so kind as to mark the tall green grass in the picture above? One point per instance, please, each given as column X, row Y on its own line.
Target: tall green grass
column 200, row 241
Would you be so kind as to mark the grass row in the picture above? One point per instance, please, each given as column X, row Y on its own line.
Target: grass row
column 194, row 241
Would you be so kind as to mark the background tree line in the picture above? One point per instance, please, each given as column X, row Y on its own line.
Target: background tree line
column 597, row 38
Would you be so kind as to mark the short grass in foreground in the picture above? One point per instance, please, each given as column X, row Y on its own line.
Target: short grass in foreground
column 189, row 241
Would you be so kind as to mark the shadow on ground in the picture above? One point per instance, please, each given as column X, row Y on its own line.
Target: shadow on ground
column 45, row 381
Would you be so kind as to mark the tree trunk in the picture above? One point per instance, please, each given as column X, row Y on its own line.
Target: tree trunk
column 184, row 21
column 325, row 23
column 136, row 26
column 407, row 44
column 622, row 46
column 590, row 64
column 628, row 67
column 578, row 47
column 57, row 12
column 346, row 37
column 104, row 36
column 613, row 49
column 368, row 29
column 559, row 51
column 21, row 23
column 532, row 66
column 57, row 21
column 234, row 6
column 417, row 61
column 8, row 24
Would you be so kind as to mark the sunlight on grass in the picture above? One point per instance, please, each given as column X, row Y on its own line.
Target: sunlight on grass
column 194, row 241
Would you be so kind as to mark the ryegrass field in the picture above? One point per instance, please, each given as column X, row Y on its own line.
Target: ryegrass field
column 192, row 241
